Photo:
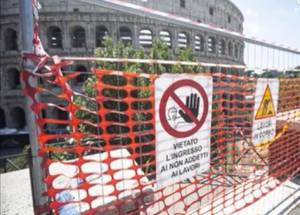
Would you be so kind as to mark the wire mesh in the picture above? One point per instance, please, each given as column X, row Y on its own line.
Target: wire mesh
column 97, row 130
column 98, row 146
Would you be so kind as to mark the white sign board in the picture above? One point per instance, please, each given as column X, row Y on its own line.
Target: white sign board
column 265, row 110
column 183, row 123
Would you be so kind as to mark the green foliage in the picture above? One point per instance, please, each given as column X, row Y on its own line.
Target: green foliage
column 272, row 74
column 158, row 51
column 188, row 56
column 292, row 73
column 88, row 104
column 20, row 161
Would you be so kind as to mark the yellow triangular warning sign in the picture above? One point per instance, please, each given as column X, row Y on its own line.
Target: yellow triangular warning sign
column 266, row 108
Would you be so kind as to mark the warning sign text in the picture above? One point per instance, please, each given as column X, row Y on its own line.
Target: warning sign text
column 186, row 156
column 266, row 101
column 182, row 124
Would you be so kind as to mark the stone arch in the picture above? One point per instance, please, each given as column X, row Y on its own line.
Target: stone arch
column 13, row 80
column 211, row 44
column 125, row 35
column 241, row 52
column 101, row 34
column 55, row 39
column 11, row 39
column 222, row 47
column 61, row 115
column 145, row 37
column 82, row 77
column 57, row 114
column 183, row 40
column 78, row 37
column 230, row 49
column 166, row 37
column 199, row 43
column 2, row 118
column 236, row 51
column 18, row 117
column 182, row 4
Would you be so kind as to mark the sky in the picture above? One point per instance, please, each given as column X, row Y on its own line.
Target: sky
column 273, row 20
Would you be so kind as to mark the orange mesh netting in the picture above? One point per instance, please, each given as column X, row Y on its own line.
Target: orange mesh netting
column 97, row 141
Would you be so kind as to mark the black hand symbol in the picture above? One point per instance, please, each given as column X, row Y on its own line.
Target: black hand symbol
column 193, row 104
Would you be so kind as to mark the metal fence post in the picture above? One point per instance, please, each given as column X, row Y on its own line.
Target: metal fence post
column 36, row 173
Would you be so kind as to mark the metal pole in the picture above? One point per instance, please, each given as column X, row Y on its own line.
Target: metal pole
column 36, row 173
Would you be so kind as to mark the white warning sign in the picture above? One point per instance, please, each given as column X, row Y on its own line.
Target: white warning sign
column 265, row 109
column 183, row 121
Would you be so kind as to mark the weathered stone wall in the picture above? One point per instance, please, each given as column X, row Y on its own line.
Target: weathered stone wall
column 66, row 14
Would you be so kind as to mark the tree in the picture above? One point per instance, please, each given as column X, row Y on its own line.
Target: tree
column 159, row 50
column 89, row 107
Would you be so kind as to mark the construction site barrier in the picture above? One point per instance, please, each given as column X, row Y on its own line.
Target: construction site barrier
column 97, row 141
column 97, row 136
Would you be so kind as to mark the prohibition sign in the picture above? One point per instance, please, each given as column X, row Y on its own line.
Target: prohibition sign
column 170, row 93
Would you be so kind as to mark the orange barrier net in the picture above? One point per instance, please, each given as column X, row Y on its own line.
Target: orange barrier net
column 97, row 141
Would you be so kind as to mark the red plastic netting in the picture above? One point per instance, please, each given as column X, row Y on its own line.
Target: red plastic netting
column 97, row 141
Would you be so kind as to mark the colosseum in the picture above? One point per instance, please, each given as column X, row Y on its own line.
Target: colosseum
column 72, row 28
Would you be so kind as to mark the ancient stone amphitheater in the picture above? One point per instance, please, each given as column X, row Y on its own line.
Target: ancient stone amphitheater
column 69, row 27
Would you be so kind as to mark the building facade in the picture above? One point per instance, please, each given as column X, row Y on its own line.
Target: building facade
column 72, row 28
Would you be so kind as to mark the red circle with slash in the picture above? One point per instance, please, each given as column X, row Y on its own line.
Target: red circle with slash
column 170, row 93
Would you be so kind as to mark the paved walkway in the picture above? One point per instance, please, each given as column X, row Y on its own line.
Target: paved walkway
column 15, row 193
column 295, row 211
column 16, row 197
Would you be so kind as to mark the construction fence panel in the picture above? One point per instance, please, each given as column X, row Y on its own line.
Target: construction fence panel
column 97, row 140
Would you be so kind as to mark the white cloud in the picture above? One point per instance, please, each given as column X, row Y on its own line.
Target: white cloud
column 252, row 22
column 249, row 12
column 252, row 13
column 252, row 28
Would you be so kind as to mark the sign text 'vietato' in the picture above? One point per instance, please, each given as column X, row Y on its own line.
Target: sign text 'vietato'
column 183, row 121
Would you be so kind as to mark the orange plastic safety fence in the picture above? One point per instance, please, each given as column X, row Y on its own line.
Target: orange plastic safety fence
column 97, row 141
